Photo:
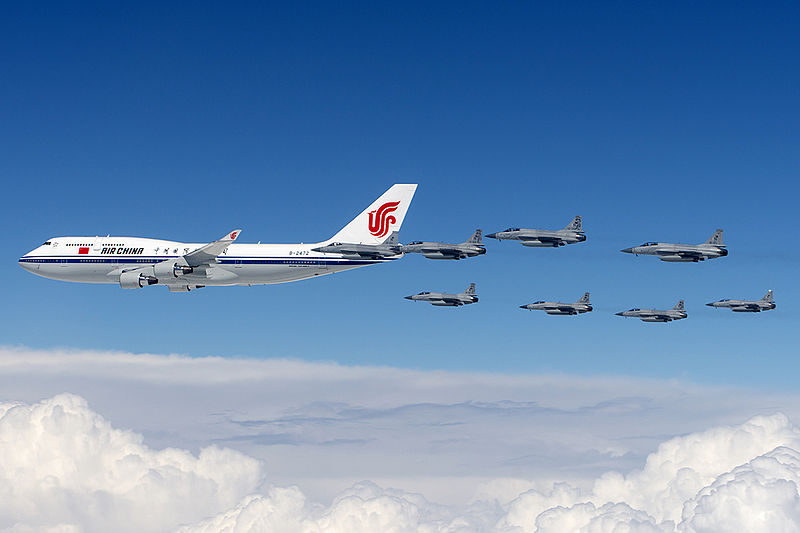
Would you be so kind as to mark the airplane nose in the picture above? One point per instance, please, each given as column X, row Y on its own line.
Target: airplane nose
column 627, row 250
column 24, row 264
column 711, row 304
column 621, row 313
column 522, row 307
column 492, row 235
column 409, row 297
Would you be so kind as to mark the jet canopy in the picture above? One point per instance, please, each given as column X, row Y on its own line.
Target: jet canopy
column 539, row 302
column 725, row 300
column 421, row 293
column 634, row 309
column 415, row 242
column 649, row 244
column 512, row 229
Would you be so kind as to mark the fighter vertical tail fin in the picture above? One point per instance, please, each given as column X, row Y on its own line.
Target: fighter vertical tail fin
column 575, row 225
column 470, row 290
column 393, row 239
column 383, row 216
column 768, row 297
column 476, row 238
column 585, row 299
column 679, row 306
column 716, row 238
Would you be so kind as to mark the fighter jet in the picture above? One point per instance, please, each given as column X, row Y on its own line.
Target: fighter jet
column 440, row 250
column 540, row 238
column 388, row 248
column 683, row 253
column 558, row 308
column 442, row 299
column 747, row 306
column 657, row 315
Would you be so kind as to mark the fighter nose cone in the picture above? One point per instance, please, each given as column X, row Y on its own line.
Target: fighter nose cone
column 409, row 297
column 627, row 250
column 621, row 313
column 523, row 306
column 711, row 304
column 492, row 235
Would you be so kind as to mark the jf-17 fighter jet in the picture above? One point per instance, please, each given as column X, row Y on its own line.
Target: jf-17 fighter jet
column 540, row 238
column 558, row 308
column 657, row 315
column 683, row 253
column 388, row 248
column 442, row 299
column 747, row 306
column 441, row 250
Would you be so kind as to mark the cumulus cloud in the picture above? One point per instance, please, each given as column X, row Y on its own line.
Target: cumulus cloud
column 63, row 468
column 272, row 446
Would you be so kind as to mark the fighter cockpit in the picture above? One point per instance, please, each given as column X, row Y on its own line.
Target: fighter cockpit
column 649, row 244
column 415, row 242
column 512, row 229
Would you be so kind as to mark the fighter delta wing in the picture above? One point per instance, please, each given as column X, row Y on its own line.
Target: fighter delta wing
column 657, row 315
column 540, row 238
column 388, row 248
column 441, row 250
column 558, row 308
column 747, row 306
column 443, row 299
column 682, row 253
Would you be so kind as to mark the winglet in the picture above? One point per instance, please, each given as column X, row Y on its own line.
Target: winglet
column 208, row 253
column 232, row 236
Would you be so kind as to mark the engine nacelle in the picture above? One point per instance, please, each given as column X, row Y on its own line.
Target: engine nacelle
column 181, row 270
column 135, row 279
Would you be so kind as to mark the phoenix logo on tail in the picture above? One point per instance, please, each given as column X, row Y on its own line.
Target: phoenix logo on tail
column 380, row 219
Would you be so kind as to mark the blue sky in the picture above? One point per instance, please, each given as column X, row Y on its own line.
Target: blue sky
column 653, row 121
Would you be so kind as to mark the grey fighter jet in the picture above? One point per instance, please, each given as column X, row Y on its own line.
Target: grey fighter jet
column 540, row 238
column 558, row 308
column 657, row 315
column 442, row 299
column 441, row 250
column 747, row 306
column 388, row 248
column 683, row 253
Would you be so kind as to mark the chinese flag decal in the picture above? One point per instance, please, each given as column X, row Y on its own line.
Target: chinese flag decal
column 83, row 250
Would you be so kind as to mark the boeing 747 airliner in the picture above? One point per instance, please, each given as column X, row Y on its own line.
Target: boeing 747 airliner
column 136, row 262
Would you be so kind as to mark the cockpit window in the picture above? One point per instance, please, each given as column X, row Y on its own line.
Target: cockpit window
column 415, row 242
column 512, row 229
column 426, row 292
column 634, row 309
column 725, row 300
column 539, row 302
column 649, row 244
column 46, row 244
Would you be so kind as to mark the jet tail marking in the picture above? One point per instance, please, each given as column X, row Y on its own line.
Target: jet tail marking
column 716, row 238
column 476, row 238
column 768, row 297
column 575, row 225
column 679, row 306
column 383, row 216
column 584, row 299
column 470, row 289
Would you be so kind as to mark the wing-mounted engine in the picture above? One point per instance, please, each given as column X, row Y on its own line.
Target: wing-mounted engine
column 136, row 279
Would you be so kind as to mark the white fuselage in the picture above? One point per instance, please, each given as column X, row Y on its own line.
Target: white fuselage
column 103, row 259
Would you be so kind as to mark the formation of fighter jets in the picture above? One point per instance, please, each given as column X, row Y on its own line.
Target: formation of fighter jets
column 370, row 238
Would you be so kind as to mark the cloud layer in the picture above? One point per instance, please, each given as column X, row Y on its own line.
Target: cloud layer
column 65, row 469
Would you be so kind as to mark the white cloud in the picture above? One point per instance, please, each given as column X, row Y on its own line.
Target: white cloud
column 499, row 454
column 64, row 468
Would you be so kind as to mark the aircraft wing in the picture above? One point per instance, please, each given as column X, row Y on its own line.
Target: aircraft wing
column 545, row 239
column 208, row 253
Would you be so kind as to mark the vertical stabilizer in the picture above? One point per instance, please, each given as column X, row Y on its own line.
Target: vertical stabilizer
column 575, row 225
column 585, row 299
column 382, row 217
column 470, row 290
column 393, row 239
column 715, row 239
column 768, row 297
column 679, row 306
column 476, row 238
